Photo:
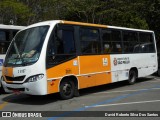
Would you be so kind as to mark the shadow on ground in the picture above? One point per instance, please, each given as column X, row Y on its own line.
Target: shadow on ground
column 41, row 100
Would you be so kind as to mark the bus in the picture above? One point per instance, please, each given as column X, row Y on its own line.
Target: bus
column 7, row 32
column 64, row 56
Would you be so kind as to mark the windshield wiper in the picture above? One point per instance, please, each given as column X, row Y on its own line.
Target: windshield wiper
column 17, row 51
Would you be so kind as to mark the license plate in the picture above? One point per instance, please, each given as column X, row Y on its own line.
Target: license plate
column 16, row 91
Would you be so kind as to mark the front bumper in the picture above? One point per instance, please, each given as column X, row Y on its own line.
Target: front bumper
column 32, row 88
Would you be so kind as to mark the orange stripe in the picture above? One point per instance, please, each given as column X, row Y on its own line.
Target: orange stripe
column 7, row 71
column 63, row 69
column 84, row 24
column 94, row 80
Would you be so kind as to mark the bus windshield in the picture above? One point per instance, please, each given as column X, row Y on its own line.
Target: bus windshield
column 26, row 46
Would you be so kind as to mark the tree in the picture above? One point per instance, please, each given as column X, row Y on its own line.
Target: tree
column 13, row 12
column 121, row 13
column 143, row 14
column 82, row 10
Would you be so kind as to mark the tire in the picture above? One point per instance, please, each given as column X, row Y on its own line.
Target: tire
column 158, row 72
column 132, row 77
column 2, row 91
column 67, row 89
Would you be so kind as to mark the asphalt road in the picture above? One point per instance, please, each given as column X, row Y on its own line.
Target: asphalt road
column 112, row 98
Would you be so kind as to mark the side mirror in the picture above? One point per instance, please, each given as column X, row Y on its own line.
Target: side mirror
column 51, row 52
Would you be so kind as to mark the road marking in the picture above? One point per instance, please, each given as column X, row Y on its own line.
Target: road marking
column 129, row 103
column 106, row 102
column 3, row 105
column 153, row 81
column 126, row 91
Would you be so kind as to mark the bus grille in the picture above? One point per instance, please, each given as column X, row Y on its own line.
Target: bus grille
column 19, row 89
column 20, row 78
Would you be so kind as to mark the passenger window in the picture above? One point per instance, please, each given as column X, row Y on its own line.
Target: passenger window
column 2, row 36
column 111, row 41
column 4, row 41
column 146, row 43
column 65, row 44
column 90, row 42
column 130, row 41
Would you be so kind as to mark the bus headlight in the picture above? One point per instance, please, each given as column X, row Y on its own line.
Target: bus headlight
column 35, row 78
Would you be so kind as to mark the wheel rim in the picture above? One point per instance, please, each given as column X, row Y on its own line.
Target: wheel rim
column 67, row 89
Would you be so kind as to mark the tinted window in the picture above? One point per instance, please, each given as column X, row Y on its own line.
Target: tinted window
column 61, row 46
column 111, row 41
column 26, row 47
column 146, row 43
column 130, row 41
column 14, row 32
column 4, row 41
column 65, row 44
column 90, row 42
column 2, row 36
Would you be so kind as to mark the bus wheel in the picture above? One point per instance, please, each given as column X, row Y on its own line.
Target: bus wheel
column 132, row 77
column 67, row 89
column 2, row 89
column 158, row 72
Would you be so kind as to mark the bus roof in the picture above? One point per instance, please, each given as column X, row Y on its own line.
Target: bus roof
column 14, row 27
column 86, row 24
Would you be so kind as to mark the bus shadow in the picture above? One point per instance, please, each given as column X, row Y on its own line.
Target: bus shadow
column 31, row 99
column 46, row 99
column 111, row 86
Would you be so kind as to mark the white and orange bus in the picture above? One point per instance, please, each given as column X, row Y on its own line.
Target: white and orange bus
column 7, row 32
column 64, row 56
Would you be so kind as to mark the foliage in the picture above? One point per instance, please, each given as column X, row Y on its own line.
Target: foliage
column 143, row 14
column 13, row 12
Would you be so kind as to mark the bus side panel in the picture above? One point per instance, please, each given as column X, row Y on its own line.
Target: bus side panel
column 147, row 64
column 94, row 70
column 94, row 64
column 121, row 64
column 94, row 80
column 66, row 68
column 56, row 72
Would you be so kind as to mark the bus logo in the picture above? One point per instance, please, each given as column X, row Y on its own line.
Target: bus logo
column 115, row 61
column 105, row 62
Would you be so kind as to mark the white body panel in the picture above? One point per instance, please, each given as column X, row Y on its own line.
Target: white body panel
column 146, row 64
column 29, row 87
column 38, row 87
